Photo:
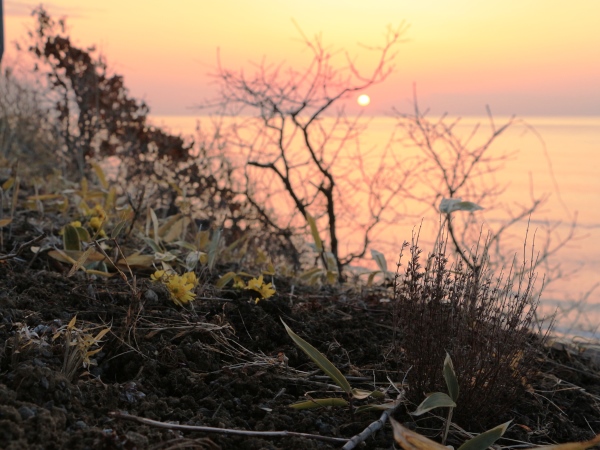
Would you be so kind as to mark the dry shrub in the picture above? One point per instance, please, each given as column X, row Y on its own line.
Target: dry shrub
column 483, row 321
column 27, row 134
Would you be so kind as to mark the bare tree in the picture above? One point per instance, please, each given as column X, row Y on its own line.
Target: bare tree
column 455, row 165
column 302, row 151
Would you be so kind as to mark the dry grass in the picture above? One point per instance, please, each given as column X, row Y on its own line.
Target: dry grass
column 483, row 321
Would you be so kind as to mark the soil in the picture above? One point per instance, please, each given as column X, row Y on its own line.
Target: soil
column 225, row 362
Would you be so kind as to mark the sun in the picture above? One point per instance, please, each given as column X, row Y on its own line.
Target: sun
column 363, row 100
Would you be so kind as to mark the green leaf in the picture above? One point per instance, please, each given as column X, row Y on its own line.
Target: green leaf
column 100, row 174
column 449, row 205
column 450, row 377
column 154, row 221
column 435, row 400
column 153, row 245
column 484, row 440
column 8, row 184
column 315, row 232
column 222, row 282
column 319, row 403
column 213, row 248
column 411, row 440
column 371, row 277
column 331, row 262
column 191, row 260
column 80, row 261
column 137, row 261
column 310, row 273
column 84, row 236
column 572, row 445
column 319, row 359
column 174, row 228
column 361, row 394
column 71, row 238
column 377, row 407
column 118, row 228
column 380, row 260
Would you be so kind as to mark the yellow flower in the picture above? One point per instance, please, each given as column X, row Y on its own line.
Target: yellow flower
column 238, row 283
column 99, row 211
column 180, row 287
column 267, row 290
column 95, row 222
column 181, row 292
column 190, row 278
column 158, row 275
column 258, row 285
column 255, row 283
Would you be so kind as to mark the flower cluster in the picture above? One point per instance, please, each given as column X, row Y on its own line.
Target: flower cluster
column 264, row 289
column 97, row 220
column 180, row 287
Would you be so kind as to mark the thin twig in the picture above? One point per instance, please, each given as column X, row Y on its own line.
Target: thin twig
column 22, row 247
column 229, row 431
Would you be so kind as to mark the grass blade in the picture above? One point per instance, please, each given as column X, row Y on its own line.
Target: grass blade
column 319, row 403
column 485, row 439
column 319, row 359
column 435, row 400
column 450, row 377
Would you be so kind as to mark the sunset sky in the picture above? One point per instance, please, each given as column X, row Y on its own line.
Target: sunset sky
column 536, row 57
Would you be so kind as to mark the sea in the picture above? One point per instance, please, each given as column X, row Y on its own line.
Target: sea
column 553, row 157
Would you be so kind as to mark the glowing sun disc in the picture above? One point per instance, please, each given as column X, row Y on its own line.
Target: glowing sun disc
column 363, row 100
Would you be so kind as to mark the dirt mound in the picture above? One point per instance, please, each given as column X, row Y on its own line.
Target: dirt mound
column 225, row 363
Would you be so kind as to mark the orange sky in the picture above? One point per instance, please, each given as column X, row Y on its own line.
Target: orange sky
column 536, row 57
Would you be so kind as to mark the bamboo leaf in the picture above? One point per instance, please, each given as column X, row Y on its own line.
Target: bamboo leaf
column 101, row 334
column 71, row 324
column 213, row 249
column 371, row 277
column 380, row 260
column 43, row 197
column 154, row 220
column 449, row 205
column 319, row 403
column 100, row 174
column 15, row 196
column 8, row 184
column 450, row 377
column 71, row 238
column 100, row 273
column 306, row 275
column 435, row 400
column 136, row 261
column 572, row 445
column 331, row 262
column 377, row 407
column 361, row 394
column 174, row 229
column 485, row 439
column 191, row 260
column 222, row 282
column 80, row 261
column 320, row 360
column 315, row 232
column 118, row 228
column 410, row 440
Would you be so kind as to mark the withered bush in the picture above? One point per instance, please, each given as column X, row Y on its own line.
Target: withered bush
column 483, row 321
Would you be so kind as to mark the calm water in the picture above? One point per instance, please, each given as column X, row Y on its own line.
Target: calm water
column 559, row 156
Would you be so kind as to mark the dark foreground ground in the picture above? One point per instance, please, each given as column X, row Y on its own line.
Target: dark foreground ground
column 226, row 363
